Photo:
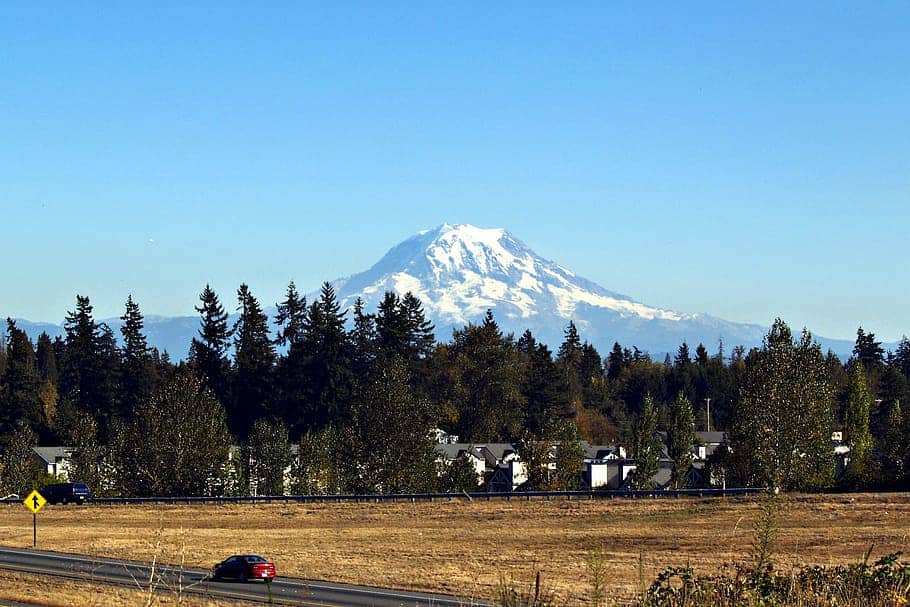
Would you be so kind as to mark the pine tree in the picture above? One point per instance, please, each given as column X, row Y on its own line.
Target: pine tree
column 701, row 355
column 363, row 340
column 420, row 330
column 324, row 361
column 47, row 359
column 20, row 400
column 901, row 358
column 90, row 365
column 780, row 435
column 645, row 446
column 48, row 376
column 482, row 383
column 290, row 318
column 570, row 350
column 138, row 370
column 208, row 353
column 680, row 438
column 616, row 362
column 546, row 393
column 392, row 327
column 254, row 363
column 856, row 428
column 867, row 350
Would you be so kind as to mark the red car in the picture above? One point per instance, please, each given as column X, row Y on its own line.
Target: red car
column 244, row 567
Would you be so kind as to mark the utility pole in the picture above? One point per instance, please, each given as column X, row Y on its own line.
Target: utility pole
column 708, row 400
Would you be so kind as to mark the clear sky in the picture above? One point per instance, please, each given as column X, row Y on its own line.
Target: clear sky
column 744, row 161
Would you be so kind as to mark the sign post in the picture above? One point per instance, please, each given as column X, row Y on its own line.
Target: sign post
column 34, row 501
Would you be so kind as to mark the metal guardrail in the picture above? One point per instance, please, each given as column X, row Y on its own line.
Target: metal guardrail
column 430, row 497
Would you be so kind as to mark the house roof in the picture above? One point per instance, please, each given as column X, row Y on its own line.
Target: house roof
column 711, row 437
column 52, row 454
column 450, row 451
column 599, row 451
column 494, row 453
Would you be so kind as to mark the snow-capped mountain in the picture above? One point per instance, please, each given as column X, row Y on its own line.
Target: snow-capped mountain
column 461, row 271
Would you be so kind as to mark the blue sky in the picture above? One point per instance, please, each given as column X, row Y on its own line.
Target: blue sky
column 744, row 161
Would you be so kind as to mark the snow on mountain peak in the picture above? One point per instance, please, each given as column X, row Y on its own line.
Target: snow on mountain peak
column 459, row 271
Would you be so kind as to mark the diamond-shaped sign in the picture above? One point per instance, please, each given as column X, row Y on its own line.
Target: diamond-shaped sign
column 34, row 501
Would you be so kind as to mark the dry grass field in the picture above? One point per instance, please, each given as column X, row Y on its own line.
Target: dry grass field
column 466, row 548
column 54, row 592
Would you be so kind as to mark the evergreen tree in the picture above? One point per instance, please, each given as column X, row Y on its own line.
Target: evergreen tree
column 781, row 431
column 290, row 318
column 48, row 376
column 420, row 330
column 403, row 330
column 683, row 359
column 616, row 362
column 683, row 375
column 254, row 363
column 392, row 328
column 867, row 350
column 701, row 355
column 138, row 369
column 482, row 383
column 856, row 428
column 2, row 358
column 363, row 340
column 20, row 400
column 901, row 358
column 645, row 446
column 680, row 438
column 545, row 390
column 208, row 353
column 324, row 361
column 47, row 360
column 527, row 343
column 89, row 372
column 268, row 454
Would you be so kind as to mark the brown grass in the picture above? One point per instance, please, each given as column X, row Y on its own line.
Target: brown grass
column 57, row 592
column 465, row 548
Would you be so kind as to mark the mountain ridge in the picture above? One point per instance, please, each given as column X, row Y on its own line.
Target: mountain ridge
column 459, row 271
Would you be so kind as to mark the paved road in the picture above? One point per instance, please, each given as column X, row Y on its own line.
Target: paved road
column 284, row 591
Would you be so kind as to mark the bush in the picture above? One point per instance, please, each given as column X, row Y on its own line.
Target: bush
column 885, row 583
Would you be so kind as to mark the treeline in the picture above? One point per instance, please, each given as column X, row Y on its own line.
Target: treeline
column 360, row 395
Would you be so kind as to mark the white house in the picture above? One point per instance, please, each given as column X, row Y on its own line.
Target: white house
column 54, row 460
column 446, row 453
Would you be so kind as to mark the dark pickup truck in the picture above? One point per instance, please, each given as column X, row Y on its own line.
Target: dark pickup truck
column 64, row 493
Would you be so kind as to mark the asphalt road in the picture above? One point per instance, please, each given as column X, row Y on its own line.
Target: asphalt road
column 166, row 578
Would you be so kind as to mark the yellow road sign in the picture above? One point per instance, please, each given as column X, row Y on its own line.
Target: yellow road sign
column 34, row 501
